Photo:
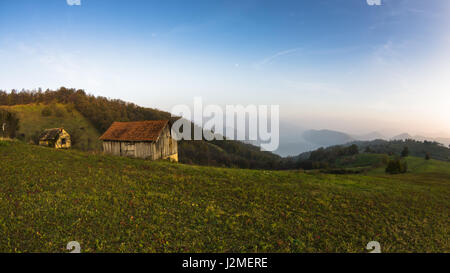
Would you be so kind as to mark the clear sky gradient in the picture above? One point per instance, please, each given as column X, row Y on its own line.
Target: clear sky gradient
column 338, row 64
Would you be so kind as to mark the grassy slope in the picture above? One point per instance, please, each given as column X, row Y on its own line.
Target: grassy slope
column 49, row 197
column 417, row 165
column 232, row 153
column 373, row 163
column 32, row 122
column 418, row 149
column 359, row 160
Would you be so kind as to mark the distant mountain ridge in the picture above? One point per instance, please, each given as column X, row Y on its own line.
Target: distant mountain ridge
column 395, row 147
column 402, row 136
column 369, row 136
column 310, row 140
column 326, row 137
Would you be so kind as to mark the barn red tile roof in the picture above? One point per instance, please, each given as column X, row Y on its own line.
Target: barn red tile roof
column 50, row 134
column 135, row 131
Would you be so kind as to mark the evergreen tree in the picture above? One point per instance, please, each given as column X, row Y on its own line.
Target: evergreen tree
column 405, row 151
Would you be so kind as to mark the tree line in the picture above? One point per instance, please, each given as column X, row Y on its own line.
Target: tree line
column 9, row 124
column 102, row 112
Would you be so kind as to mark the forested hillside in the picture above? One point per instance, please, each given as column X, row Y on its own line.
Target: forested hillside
column 101, row 112
column 417, row 148
column 83, row 114
column 9, row 124
column 370, row 153
column 34, row 118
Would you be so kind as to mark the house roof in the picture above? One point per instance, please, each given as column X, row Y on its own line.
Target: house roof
column 50, row 134
column 135, row 131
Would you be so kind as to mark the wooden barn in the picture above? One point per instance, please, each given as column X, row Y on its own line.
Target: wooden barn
column 142, row 139
column 56, row 138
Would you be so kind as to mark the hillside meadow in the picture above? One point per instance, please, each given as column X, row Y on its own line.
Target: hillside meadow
column 32, row 122
column 86, row 117
column 111, row 204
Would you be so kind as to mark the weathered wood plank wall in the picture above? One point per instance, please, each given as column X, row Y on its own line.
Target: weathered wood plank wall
column 163, row 148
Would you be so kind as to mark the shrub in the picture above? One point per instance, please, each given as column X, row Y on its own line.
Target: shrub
column 35, row 137
column 46, row 112
column 353, row 150
column 396, row 166
column 385, row 159
column 59, row 112
column 405, row 151
column 4, row 143
column 9, row 124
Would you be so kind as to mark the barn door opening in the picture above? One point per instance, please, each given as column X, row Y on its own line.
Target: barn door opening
column 128, row 149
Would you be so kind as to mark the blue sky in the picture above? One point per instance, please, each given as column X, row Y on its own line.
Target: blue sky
column 338, row 64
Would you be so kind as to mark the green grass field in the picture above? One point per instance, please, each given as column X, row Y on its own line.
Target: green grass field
column 360, row 160
column 373, row 163
column 113, row 204
column 32, row 122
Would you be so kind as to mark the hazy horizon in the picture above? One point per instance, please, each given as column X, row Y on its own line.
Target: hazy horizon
column 340, row 65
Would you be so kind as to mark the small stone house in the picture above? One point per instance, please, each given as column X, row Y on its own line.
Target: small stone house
column 57, row 138
column 142, row 139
